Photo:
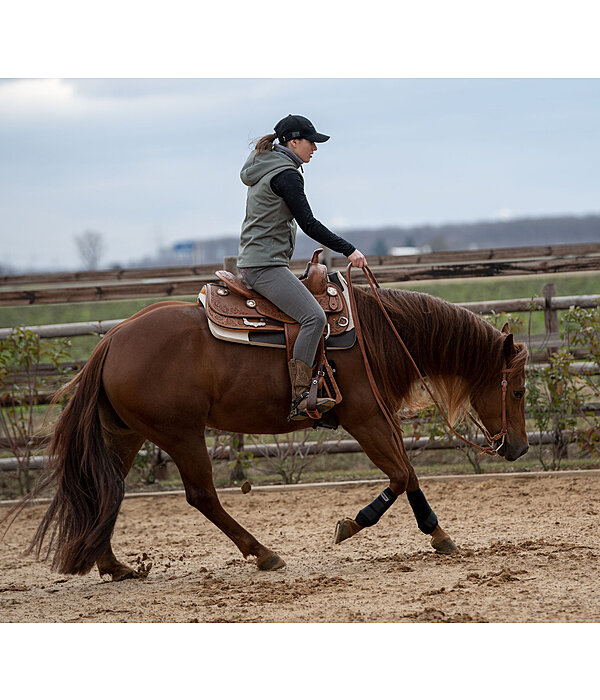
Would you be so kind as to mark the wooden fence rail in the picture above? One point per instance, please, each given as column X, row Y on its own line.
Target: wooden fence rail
column 70, row 330
column 519, row 253
column 139, row 283
column 312, row 448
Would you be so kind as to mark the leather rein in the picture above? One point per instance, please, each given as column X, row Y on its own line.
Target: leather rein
column 490, row 439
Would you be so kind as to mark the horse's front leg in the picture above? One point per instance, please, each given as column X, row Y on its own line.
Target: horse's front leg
column 387, row 452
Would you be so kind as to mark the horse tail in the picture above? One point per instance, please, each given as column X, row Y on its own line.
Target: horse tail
column 87, row 475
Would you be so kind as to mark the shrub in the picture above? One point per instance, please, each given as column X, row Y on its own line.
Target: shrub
column 24, row 359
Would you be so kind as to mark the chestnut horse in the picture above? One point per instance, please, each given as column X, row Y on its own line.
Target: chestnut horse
column 160, row 375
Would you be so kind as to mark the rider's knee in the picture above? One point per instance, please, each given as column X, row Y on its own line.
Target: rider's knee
column 321, row 318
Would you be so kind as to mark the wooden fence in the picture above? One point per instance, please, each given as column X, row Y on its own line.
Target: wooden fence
column 538, row 344
column 137, row 283
column 179, row 281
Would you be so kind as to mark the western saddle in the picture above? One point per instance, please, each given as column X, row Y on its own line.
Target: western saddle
column 234, row 306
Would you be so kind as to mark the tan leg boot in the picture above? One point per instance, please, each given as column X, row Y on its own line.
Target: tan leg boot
column 300, row 377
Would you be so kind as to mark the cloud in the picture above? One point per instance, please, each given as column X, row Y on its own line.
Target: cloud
column 128, row 88
column 124, row 103
column 35, row 97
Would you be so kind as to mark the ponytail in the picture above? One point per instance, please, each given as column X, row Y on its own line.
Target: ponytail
column 265, row 143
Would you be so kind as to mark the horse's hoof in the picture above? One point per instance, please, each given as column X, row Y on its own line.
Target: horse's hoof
column 122, row 575
column 344, row 529
column 271, row 562
column 445, row 546
column 118, row 574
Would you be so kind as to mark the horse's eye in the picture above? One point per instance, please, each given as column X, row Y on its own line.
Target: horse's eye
column 519, row 394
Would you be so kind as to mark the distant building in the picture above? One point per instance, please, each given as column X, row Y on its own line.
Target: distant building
column 409, row 250
column 205, row 252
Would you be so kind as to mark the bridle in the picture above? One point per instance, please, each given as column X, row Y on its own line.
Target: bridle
column 490, row 439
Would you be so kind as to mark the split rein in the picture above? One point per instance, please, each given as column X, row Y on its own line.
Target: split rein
column 490, row 439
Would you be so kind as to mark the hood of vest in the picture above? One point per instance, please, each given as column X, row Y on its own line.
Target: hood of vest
column 260, row 164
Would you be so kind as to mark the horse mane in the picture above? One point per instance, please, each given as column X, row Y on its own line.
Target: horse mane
column 454, row 348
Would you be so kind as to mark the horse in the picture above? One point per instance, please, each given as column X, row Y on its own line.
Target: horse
column 162, row 376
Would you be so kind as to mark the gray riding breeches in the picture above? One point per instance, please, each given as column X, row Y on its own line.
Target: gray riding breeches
column 281, row 287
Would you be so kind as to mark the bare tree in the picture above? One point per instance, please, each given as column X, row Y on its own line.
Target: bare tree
column 90, row 245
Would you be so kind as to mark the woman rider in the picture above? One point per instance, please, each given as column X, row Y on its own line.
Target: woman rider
column 275, row 202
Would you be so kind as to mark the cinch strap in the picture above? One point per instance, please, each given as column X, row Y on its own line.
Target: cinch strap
column 370, row 514
column 426, row 518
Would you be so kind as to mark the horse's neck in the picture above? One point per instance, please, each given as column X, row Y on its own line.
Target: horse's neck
column 452, row 349
column 444, row 340
column 463, row 348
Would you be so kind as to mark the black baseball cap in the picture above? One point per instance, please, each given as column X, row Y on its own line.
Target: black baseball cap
column 296, row 127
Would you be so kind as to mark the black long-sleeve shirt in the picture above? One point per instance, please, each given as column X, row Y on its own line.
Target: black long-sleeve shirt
column 289, row 185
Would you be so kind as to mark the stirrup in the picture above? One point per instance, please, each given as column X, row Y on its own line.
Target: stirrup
column 324, row 404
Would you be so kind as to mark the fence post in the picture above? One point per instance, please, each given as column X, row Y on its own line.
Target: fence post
column 236, row 442
column 550, row 314
column 236, row 447
column 560, row 446
column 326, row 258
column 230, row 264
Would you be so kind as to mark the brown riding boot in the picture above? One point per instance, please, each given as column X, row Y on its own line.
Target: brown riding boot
column 301, row 377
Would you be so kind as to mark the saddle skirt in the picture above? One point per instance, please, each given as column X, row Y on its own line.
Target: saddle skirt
column 238, row 314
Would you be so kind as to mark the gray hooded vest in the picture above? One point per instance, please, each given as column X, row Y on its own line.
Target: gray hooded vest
column 269, row 230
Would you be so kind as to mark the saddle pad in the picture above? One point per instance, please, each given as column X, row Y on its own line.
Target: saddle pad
column 272, row 335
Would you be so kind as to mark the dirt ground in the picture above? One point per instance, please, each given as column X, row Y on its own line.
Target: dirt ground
column 529, row 552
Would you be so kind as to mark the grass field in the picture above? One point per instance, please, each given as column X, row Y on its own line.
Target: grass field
column 81, row 347
column 518, row 287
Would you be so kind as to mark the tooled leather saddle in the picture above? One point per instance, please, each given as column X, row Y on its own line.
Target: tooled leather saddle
column 233, row 306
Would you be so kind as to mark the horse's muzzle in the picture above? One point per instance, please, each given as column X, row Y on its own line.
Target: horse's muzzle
column 511, row 451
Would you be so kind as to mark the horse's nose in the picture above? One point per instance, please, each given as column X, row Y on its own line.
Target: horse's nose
column 513, row 452
column 524, row 449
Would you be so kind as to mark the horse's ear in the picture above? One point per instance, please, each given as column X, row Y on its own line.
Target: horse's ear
column 505, row 329
column 509, row 346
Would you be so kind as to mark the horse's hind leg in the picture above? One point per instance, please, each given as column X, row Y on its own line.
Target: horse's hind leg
column 193, row 462
column 108, row 564
column 125, row 443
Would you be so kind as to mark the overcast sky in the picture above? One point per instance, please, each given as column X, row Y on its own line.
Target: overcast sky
column 151, row 162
